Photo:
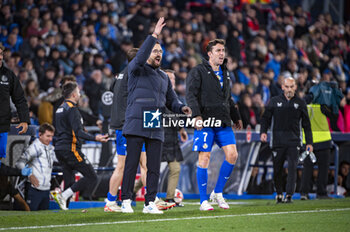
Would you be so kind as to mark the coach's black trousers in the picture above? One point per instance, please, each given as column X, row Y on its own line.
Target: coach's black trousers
column 322, row 157
column 153, row 154
column 280, row 155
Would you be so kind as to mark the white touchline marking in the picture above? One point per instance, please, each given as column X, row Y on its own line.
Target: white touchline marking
column 174, row 219
column 215, row 203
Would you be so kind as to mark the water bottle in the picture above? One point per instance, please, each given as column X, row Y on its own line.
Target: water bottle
column 303, row 156
column 312, row 157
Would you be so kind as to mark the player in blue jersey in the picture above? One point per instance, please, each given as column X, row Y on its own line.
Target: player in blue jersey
column 208, row 94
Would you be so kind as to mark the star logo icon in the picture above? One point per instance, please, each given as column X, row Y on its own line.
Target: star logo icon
column 156, row 115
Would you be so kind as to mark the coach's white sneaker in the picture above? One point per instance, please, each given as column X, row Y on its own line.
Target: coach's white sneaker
column 112, row 206
column 218, row 198
column 205, row 206
column 151, row 208
column 126, row 206
column 59, row 199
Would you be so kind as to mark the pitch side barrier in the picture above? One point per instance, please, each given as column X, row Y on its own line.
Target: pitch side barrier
column 252, row 157
column 248, row 145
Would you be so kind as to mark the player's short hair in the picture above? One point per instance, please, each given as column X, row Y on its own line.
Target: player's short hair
column 214, row 42
column 68, row 89
column 67, row 78
column 131, row 54
column 46, row 127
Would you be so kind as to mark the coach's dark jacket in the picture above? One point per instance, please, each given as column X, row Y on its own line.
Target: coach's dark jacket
column 147, row 87
column 120, row 96
column 69, row 127
column 10, row 87
column 206, row 97
column 286, row 119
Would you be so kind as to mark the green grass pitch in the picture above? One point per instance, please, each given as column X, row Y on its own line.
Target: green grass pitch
column 251, row 215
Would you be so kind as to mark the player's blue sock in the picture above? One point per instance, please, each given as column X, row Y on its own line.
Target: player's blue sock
column 225, row 172
column 110, row 197
column 202, row 179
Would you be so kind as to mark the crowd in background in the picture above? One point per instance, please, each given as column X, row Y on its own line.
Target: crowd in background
column 48, row 39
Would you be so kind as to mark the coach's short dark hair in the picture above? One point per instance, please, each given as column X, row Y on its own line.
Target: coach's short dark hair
column 68, row 89
column 131, row 54
column 214, row 42
column 46, row 127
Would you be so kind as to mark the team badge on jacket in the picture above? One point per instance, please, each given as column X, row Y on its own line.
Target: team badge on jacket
column 296, row 105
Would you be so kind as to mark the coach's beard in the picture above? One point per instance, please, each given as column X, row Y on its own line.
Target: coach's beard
column 156, row 62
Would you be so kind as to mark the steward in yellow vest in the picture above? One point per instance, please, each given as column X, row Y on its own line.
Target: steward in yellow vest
column 322, row 143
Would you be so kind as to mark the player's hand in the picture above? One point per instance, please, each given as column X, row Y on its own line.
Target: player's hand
column 159, row 26
column 238, row 125
column 186, row 110
column 183, row 135
column 102, row 138
column 34, row 181
column 309, row 148
column 198, row 118
column 263, row 137
column 24, row 126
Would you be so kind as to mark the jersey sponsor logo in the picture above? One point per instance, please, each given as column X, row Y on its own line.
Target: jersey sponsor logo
column 279, row 104
column 120, row 76
column 4, row 80
column 205, row 146
column 59, row 110
column 296, row 105
column 107, row 98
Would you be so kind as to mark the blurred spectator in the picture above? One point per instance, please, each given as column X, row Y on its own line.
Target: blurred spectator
column 107, row 76
column 29, row 46
column 140, row 24
column 48, row 79
column 94, row 88
column 247, row 113
column 275, row 64
column 28, row 65
column 264, row 89
column 31, row 92
column 34, row 29
column 236, row 91
column 244, row 75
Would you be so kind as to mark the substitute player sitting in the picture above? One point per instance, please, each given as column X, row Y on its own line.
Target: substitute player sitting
column 209, row 96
